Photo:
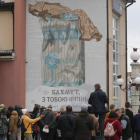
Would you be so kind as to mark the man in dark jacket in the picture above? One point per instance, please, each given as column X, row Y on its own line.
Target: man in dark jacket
column 48, row 122
column 65, row 124
column 125, row 124
column 83, row 124
column 137, row 124
column 129, row 113
column 98, row 99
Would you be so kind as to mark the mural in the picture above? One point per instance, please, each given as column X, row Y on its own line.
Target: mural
column 63, row 50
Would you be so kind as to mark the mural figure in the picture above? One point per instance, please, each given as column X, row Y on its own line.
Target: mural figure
column 64, row 32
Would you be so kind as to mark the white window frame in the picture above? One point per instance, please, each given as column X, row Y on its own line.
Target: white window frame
column 116, row 63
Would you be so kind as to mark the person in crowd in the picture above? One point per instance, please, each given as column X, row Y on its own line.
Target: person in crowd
column 3, row 125
column 58, row 135
column 18, row 109
column 40, row 126
column 14, row 132
column 49, row 123
column 83, row 124
column 35, row 111
column 98, row 99
column 34, row 114
column 112, row 108
column 136, row 121
column 28, row 123
column 125, row 125
column 62, row 111
column 129, row 113
column 96, row 123
column 65, row 124
column 116, row 125
column 2, row 106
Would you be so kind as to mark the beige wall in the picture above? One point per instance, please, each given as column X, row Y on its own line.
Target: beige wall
column 6, row 30
column 122, row 52
column 7, row 1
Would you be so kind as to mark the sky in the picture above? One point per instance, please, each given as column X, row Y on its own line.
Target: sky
column 133, row 33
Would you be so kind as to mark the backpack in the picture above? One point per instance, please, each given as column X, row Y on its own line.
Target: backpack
column 19, row 122
column 109, row 130
column 23, row 129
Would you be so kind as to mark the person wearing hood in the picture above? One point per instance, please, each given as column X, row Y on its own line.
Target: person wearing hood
column 136, row 122
column 65, row 124
column 49, row 123
column 14, row 132
column 28, row 123
column 116, row 125
column 83, row 124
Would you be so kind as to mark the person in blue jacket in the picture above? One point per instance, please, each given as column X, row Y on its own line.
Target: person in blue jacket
column 136, row 123
column 98, row 99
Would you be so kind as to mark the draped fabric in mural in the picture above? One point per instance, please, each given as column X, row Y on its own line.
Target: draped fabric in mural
column 64, row 32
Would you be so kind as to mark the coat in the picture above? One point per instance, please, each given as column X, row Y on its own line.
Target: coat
column 83, row 124
column 3, row 124
column 107, row 115
column 49, row 119
column 28, row 122
column 65, row 125
column 129, row 113
column 98, row 99
column 13, row 121
column 96, row 125
column 136, row 121
column 117, row 126
column 126, row 127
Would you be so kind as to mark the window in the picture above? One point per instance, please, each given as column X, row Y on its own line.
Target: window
column 115, row 60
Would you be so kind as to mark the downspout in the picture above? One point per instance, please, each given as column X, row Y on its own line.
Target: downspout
column 12, row 10
column 126, row 41
column 107, row 52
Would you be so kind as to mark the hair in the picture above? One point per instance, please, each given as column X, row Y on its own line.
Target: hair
column 118, row 110
column 122, row 109
column 90, row 111
column 127, row 105
column 112, row 106
column 62, row 111
column 69, row 108
column 112, row 114
column 42, row 109
column 97, row 86
column 10, row 108
column 139, row 110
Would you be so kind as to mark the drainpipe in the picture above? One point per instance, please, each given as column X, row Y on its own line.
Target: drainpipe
column 126, row 40
column 107, row 52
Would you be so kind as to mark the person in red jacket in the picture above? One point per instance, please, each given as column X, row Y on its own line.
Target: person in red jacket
column 117, row 126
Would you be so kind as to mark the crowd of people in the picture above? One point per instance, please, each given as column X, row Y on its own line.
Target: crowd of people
column 17, row 123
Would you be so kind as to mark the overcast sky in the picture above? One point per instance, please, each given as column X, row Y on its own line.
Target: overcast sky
column 133, row 29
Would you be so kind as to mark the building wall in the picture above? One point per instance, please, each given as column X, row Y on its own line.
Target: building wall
column 122, row 52
column 12, row 73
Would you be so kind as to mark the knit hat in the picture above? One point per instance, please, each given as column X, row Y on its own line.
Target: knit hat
column 49, row 106
column 24, row 111
column 2, row 106
column 84, row 107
